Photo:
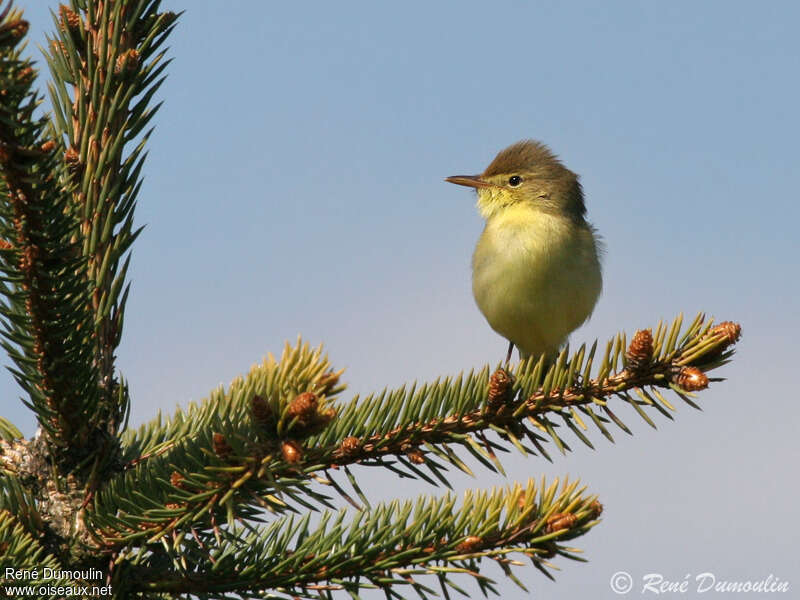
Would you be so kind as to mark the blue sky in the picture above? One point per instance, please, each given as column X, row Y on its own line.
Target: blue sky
column 295, row 185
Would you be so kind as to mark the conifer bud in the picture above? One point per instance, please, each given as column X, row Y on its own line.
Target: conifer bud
column 640, row 350
column 499, row 388
column 328, row 381
column 303, row 408
column 522, row 503
column 47, row 146
column 25, row 76
column 560, row 521
column 691, row 379
column 18, row 28
column 73, row 160
column 221, row 446
column 69, row 18
column 74, row 165
column 350, row 446
column 127, row 61
column 291, row 451
column 416, row 456
column 469, row 545
column 176, row 480
column 729, row 331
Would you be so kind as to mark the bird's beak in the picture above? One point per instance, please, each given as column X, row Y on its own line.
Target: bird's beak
column 474, row 181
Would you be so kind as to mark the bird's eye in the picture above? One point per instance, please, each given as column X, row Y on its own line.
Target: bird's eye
column 514, row 180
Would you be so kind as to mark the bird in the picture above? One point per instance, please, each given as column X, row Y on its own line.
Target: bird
column 536, row 268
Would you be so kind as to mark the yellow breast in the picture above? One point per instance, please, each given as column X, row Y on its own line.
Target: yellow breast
column 535, row 277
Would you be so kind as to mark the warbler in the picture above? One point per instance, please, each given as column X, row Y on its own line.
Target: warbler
column 536, row 272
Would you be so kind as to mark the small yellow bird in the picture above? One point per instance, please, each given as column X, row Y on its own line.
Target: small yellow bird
column 536, row 268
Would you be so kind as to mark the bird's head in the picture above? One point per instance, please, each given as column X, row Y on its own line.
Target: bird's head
column 526, row 173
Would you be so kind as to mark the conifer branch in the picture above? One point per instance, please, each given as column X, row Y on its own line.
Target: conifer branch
column 262, row 443
column 24, row 553
column 524, row 405
column 46, row 322
column 392, row 545
column 214, row 461
column 106, row 67
column 18, row 501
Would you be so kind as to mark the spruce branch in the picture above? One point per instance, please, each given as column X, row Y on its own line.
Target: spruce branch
column 391, row 546
column 106, row 65
column 529, row 403
column 263, row 443
column 214, row 461
column 23, row 553
column 16, row 500
column 46, row 322
column 19, row 550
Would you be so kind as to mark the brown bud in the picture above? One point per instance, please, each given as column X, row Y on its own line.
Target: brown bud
column 596, row 508
column 174, row 505
column 728, row 330
column 522, row 505
column 128, row 61
column 350, row 446
column 725, row 334
column 221, row 446
column 499, row 388
column 261, row 412
column 71, row 157
column 5, row 245
column 303, row 408
column 292, row 451
column 327, row 415
column 25, row 76
column 18, row 28
column 176, row 479
column 416, row 456
column 47, row 146
column 640, row 350
column 69, row 18
column 328, row 381
column 560, row 521
column 691, row 379
column 469, row 545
